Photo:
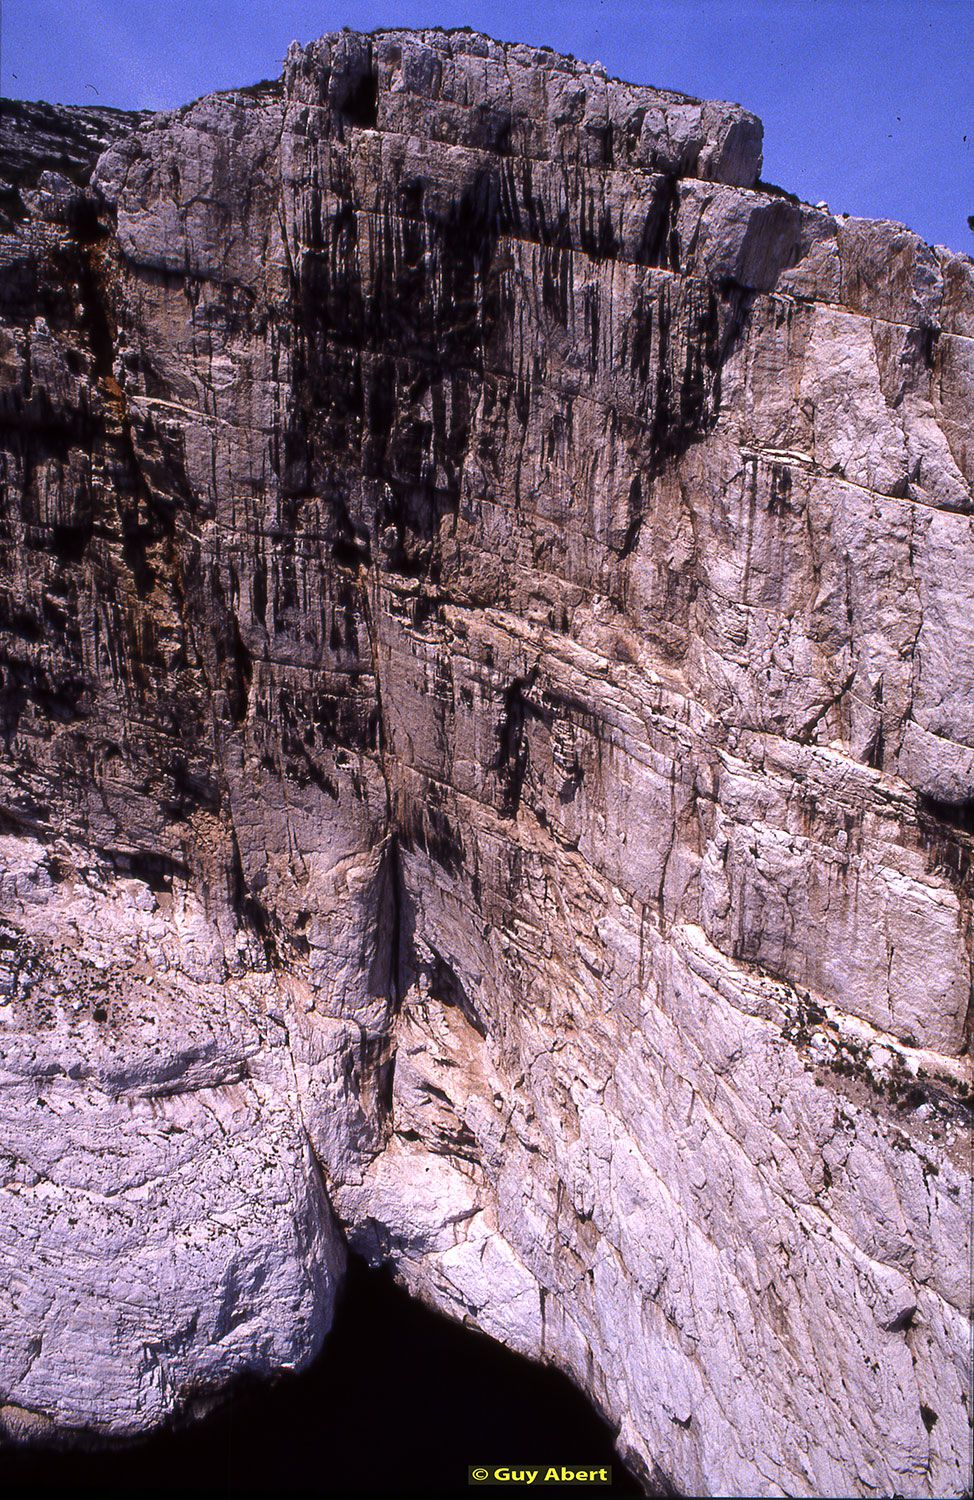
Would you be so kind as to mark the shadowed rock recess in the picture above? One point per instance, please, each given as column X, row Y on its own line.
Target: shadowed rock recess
column 487, row 755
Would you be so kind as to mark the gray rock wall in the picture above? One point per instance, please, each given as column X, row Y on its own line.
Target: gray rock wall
column 488, row 760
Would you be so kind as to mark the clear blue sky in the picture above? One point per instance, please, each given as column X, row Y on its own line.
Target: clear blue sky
column 868, row 104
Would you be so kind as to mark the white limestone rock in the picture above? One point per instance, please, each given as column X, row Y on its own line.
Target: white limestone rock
column 487, row 761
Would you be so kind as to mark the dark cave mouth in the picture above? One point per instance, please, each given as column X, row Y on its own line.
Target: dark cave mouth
column 401, row 1401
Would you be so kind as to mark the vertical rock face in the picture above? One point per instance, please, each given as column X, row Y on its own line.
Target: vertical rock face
column 488, row 760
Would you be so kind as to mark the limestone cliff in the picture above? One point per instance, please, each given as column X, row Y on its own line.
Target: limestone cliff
column 487, row 651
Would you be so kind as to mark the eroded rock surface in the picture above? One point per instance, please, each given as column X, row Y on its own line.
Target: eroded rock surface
column 488, row 760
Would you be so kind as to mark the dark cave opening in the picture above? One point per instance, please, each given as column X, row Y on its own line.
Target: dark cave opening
column 400, row 1403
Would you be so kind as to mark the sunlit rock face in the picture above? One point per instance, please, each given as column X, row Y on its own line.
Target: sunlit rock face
column 487, row 760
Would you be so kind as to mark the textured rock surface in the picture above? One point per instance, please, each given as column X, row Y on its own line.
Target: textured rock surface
column 488, row 754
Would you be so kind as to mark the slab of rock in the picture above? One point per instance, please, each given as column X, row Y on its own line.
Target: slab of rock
column 487, row 718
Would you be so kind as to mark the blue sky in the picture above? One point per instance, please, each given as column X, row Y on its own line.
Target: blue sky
column 868, row 104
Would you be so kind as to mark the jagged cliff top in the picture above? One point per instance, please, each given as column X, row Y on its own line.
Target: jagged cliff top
column 465, row 88
column 528, row 101
column 508, row 97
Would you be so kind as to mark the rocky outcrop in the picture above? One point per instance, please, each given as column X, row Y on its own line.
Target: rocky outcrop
column 488, row 725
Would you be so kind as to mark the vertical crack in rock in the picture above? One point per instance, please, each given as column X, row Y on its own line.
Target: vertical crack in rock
column 513, row 748
column 486, row 760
